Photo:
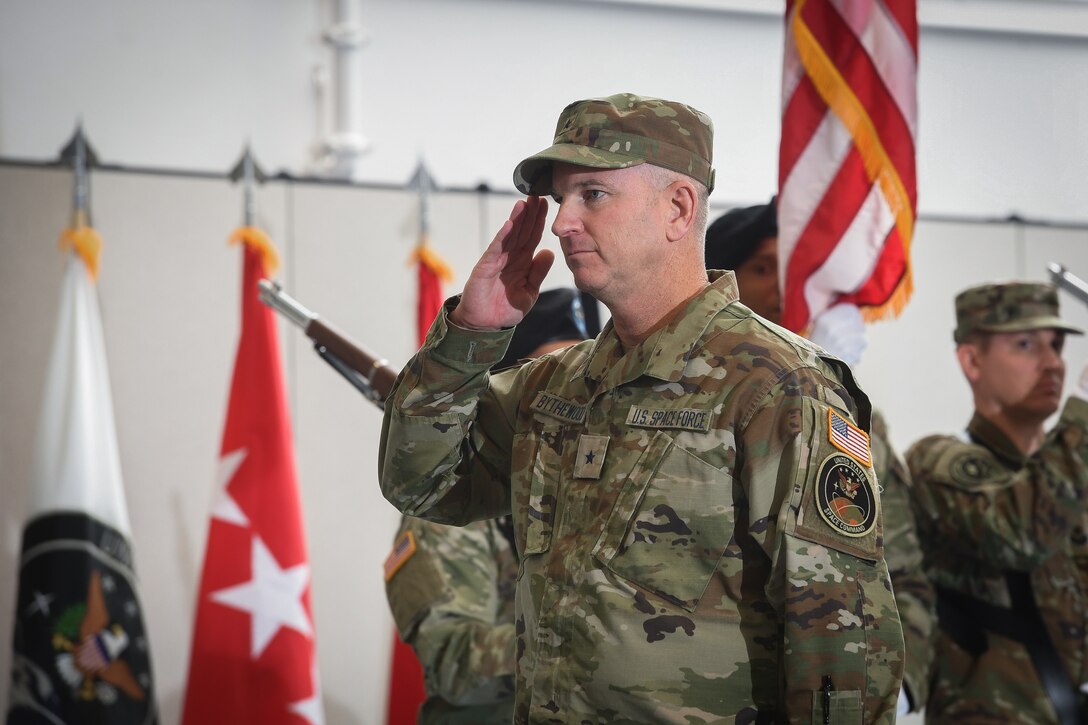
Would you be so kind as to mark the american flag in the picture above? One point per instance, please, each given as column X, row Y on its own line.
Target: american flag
column 847, row 189
column 849, row 439
column 402, row 551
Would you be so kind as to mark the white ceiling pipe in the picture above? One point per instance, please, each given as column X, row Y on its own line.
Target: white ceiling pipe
column 345, row 142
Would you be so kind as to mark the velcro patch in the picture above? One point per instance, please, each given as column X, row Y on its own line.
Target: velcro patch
column 679, row 418
column 402, row 551
column 845, row 496
column 556, row 407
column 591, row 450
column 848, row 438
column 971, row 468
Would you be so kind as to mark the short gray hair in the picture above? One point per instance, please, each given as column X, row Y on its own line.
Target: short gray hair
column 661, row 177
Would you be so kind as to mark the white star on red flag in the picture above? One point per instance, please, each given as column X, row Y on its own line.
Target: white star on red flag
column 310, row 709
column 226, row 508
column 273, row 598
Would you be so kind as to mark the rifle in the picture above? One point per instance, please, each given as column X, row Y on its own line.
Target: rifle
column 371, row 375
column 1068, row 281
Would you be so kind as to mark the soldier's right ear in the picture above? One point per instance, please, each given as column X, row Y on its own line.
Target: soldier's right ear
column 968, row 353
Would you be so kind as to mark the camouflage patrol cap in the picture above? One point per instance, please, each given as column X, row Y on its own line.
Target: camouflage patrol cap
column 621, row 131
column 1008, row 307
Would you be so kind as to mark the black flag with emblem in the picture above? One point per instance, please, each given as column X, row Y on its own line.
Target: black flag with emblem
column 81, row 654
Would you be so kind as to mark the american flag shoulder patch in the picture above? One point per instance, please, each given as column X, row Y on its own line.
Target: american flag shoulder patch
column 848, row 438
column 402, row 551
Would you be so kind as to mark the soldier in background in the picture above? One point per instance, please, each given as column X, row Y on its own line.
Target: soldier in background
column 1001, row 512
column 696, row 544
column 451, row 589
column 745, row 240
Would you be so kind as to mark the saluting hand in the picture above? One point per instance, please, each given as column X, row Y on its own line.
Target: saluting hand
column 505, row 282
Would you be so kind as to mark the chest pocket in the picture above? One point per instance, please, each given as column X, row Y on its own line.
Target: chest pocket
column 534, row 478
column 671, row 523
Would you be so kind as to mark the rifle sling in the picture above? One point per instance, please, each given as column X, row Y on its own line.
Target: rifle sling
column 967, row 620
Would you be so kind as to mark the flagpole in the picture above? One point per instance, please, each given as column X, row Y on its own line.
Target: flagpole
column 80, row 237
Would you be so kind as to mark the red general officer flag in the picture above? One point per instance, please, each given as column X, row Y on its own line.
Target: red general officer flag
column 253, row 657
column 432, row 271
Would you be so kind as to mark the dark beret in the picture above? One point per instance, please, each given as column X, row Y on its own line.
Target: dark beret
column 557, row 315
column 733, row 236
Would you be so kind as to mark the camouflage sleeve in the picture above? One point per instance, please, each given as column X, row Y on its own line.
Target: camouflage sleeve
column 814, row 510
column 982, row 510
column 452, row 602
column 914, row 593
column 446, row 435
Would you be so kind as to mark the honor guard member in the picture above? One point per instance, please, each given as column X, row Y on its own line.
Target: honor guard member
column 1002, row 517
column 745, row 240
column 451, row 589
column 693, row 498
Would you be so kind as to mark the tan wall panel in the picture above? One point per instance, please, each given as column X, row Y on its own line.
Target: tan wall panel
column 170, row 301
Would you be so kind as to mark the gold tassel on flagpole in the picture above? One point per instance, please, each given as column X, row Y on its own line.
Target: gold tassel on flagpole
column 423, row 254
column 84, row 241
column 255, row 238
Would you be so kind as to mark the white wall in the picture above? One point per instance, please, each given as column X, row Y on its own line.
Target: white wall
column 474, row 85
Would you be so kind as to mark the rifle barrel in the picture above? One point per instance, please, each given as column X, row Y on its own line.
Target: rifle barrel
column 376, row 371
column 272, row 294
column 373, row 370
column 1068, row 281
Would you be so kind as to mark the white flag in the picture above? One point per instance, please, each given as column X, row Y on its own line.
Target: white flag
column 81, row 653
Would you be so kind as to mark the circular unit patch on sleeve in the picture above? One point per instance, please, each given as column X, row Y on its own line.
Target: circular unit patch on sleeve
column 970, row 468
column 845, row 497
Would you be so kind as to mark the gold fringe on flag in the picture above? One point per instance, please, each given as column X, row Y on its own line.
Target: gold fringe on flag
column 255, row 238
column 836, row 93
column 894, row 304
column 423, row 254
column 85, row 242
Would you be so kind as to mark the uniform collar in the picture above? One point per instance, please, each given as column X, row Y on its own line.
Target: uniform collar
column 988, row 435
column 665, row 353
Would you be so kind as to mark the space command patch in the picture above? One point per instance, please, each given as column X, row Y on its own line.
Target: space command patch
column 845, row 496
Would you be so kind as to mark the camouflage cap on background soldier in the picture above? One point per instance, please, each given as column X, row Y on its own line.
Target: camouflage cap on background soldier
column 620, row 131
column 1008, row 307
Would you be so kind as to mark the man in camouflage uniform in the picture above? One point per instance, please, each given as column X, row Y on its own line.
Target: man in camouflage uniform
column 451, row 589
column 1001, row 511
column 694, row 505
column 452, row 598
column 745, row 240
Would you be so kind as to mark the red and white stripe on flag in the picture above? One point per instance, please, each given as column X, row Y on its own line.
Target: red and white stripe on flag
column 847, row 189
